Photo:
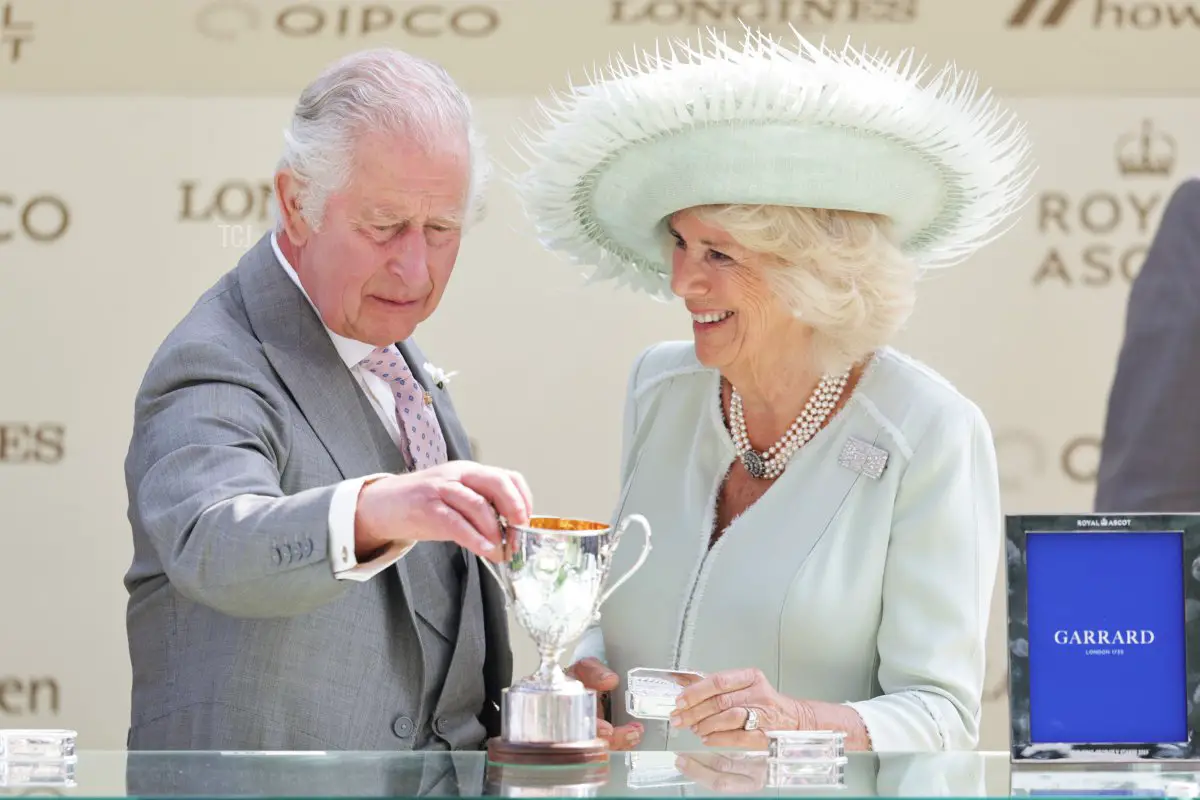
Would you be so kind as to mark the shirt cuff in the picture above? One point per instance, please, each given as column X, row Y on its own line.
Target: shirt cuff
column 591, row 645
column 341, row 535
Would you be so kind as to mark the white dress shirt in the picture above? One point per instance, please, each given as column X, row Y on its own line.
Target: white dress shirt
column 345, row 497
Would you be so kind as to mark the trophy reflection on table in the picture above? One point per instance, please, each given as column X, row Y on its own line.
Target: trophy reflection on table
column 553, row 575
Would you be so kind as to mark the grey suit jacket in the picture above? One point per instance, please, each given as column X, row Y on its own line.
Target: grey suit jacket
column 1150, row 459
column 240, row 637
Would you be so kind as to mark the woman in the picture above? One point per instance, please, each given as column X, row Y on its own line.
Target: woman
column 826, row 510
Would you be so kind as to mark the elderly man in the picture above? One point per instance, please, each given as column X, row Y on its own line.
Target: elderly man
column 306, row 520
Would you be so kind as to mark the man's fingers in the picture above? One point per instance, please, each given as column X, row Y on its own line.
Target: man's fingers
column 604, row 729
column 475, row 508
column 454, row 525
column 497, row 488
column 594, row 675
column 526, row 494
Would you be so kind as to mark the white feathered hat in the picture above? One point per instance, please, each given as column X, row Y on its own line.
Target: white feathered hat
column 766, row 124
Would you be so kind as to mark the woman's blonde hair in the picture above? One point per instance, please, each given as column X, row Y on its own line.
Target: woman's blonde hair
column 842, row 272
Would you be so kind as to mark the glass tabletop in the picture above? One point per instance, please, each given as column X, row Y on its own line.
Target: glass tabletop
column 642, row 774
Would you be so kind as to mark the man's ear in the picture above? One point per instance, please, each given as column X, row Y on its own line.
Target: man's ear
column 287, row 189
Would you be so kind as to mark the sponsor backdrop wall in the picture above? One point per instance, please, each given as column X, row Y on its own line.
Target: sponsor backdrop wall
column 137, row 140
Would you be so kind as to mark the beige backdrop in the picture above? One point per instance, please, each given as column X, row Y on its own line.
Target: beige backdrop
column 117, row 210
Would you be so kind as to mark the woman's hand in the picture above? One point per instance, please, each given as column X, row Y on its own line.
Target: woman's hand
column 717, row 709
column 728, row 774
column 594, row 675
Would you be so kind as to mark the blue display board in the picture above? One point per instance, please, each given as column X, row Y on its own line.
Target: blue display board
column 1099, row 636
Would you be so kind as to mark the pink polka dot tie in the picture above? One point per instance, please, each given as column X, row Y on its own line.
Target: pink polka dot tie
column 418, row 424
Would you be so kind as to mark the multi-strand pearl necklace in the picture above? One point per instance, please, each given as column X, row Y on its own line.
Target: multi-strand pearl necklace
column 771, row 463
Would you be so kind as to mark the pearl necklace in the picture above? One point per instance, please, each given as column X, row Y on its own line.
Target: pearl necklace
column 771, row 463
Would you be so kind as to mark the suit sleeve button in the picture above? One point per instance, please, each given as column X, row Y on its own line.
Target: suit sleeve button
column 277, row 556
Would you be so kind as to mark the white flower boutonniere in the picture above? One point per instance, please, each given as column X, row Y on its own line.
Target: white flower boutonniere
column 438, row 375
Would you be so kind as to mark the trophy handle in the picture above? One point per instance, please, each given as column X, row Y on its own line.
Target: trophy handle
column 505, row 589
column 641, row 559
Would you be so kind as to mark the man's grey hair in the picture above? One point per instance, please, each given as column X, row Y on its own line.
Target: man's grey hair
column 375, row 90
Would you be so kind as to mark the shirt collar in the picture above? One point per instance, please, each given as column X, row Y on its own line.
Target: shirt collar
column 350, row 351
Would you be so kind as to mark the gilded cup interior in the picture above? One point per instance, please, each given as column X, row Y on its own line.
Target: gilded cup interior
column 566, row 525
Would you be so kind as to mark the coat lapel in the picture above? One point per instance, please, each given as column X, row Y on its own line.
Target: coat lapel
column 299, row 349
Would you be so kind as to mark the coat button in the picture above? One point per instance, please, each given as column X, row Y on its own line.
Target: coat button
column 403, row 727
column 440, row 725
column 308, row 547
column 277, row 556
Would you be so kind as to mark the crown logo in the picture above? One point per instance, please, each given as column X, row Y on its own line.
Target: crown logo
column 1147, row 152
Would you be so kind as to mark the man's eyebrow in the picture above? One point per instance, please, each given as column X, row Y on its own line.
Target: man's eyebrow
column 384, row 212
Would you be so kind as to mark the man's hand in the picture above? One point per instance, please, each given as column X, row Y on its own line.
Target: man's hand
column 457, row 502
column 594, row 675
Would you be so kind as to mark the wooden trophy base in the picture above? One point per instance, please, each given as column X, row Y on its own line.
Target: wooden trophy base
column 549, row 754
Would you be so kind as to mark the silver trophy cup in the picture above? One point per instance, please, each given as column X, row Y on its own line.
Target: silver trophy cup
column 554, row 575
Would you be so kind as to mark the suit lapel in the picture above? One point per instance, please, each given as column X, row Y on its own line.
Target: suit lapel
column 299, row 349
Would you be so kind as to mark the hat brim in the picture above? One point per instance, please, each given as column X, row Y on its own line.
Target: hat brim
column 765, row 125
column 768, row 164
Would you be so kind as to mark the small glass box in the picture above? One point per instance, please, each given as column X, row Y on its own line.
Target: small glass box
column 651, row 693
column 45, row 774
column 37, row 745
column 825, row 773
column 805, row 745
column 653, row 769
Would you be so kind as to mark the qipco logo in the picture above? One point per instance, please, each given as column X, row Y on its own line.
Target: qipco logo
column 428, row 20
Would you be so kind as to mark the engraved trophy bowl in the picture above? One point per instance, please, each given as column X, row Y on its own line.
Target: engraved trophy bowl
column 555, row 577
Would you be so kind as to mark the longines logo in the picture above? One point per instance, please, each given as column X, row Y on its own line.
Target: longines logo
column 229, row 201
column 760, row 12
column 14, row 34
column 1142, row 15
column 1103, row 642
column 1106, row 220
column 42, row 218
column 32, row 443
column 229, row 20
column 21, row 697
column 240, row 210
